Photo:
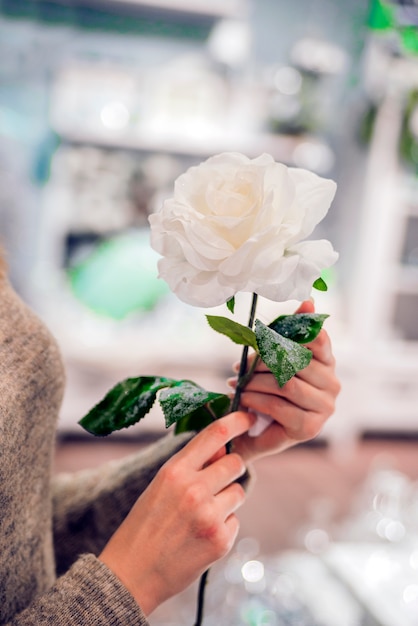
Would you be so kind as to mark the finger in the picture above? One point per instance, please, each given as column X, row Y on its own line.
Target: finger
column 283, row 411
column 223, row 472
column 321, row 351
column 232, row 526
column 297, row 391
column 321, row 376
column 214, row 437
column 321, row 348
column 219, row 454
column 274, row 438
column 298, row 424
column 306, row 307
column 230, row 499
column 214, row 520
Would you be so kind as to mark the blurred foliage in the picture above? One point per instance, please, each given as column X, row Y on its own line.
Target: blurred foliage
column 408, row 142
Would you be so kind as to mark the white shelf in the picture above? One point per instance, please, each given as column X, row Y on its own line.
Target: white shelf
column 282, row 147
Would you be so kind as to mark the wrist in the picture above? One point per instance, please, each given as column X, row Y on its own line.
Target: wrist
column 144, row 585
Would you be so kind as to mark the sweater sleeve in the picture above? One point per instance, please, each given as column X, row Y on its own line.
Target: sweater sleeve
column 88, row 594
column 89, row 505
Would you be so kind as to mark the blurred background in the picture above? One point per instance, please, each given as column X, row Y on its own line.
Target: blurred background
column 103, row 103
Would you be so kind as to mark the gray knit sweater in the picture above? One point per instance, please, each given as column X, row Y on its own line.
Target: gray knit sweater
column 52, row 528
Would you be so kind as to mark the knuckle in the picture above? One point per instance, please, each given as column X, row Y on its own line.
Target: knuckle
column 171, row 472
column 219, row 535
column 194, row 496
column 231, row 532
column 330, row 408
column 313, row 428
column 205, row 520
column 237, row 464
column 336, row 387
column 238, row 492
column 219, row 431
column 205, row 523
column 220, row 542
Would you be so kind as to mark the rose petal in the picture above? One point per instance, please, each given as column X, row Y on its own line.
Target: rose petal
column 314, row 197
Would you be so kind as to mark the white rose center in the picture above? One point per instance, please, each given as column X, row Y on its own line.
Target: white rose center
column 234, row 196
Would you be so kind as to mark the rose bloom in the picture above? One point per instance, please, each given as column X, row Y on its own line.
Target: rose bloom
column 238, row 224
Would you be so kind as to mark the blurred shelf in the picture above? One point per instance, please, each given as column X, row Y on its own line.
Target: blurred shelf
column 282, row 147
column 180, row 20
column 206, row 8
column 178, row 10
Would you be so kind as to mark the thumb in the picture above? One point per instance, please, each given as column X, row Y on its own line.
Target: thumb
column 307, row 306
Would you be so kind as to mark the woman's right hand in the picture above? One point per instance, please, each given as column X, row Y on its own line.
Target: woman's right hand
column 185, row 519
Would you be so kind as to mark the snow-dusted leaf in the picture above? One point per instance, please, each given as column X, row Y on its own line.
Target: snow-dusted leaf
column 124, row 405
column 282, row 356
column 183, row 398
column 299, row 327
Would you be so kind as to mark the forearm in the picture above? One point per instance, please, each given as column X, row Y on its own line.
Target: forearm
column 88, row 594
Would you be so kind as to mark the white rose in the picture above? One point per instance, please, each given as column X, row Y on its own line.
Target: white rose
column 239, row 224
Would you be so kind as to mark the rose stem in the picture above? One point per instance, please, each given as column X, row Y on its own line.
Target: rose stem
column 201, row 598
column 242, row 381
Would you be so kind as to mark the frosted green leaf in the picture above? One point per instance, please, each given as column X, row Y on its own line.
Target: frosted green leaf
column 237, row 332
column 299, row 327
column 282, row 356
column 184, row 398
column 194, row 421
column 124, row 405
column 204, row 415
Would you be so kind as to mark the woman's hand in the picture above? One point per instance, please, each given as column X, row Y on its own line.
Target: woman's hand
column 299, row 409
column 185, row 520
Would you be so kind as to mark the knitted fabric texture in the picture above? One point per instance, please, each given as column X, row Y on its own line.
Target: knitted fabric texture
column 56, row 525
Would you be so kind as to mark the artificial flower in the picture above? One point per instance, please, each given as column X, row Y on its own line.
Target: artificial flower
column 236, row 224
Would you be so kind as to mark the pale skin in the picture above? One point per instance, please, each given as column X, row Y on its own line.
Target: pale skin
column 186, row 519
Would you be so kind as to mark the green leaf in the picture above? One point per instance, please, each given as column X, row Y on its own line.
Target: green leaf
column 299, row 327
column 194, row 421
column 282, row 356
column 183, row 398
column 124, row 405
column 220, row 406
column 320, row 284
column 201, row 417
column 237, row 332
column 231, row 304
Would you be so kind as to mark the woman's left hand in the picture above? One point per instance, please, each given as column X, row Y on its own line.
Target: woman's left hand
column 299, row 409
